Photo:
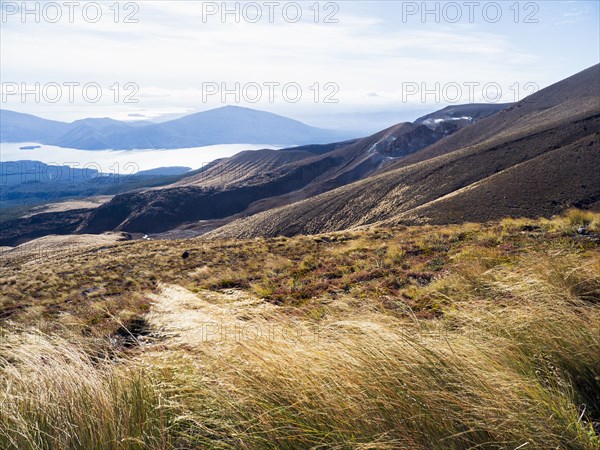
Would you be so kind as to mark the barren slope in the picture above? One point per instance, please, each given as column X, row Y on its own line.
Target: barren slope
column 555, row 133
column 568, row 100
column 244, row 182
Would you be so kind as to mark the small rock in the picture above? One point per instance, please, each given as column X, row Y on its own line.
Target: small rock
column 88, row 291
column 530, row 228
column 185, row 255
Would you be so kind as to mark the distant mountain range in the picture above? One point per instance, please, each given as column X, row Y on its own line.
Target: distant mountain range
column 226, row 125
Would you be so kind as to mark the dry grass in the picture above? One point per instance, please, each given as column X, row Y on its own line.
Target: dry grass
column 461, row 337
column 55, row 395
column 579, row 218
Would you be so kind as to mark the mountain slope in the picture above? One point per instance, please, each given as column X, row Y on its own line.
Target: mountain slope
column 453, row 118
column 573, row 98
column 254, row 181
column 470, row 113
column 540, row 177
column 555, row 128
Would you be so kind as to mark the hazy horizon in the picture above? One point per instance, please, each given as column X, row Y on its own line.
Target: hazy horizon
column 360, row 61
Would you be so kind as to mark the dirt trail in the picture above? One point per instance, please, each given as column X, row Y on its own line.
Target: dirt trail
column 217, row 322
column 206, row 318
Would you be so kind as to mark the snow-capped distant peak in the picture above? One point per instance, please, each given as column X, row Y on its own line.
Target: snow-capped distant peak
column 445, row 119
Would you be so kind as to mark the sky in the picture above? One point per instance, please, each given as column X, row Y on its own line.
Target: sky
column 347, row 64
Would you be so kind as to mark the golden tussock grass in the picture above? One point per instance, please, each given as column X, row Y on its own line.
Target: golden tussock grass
column 456, row 337
column 56, row 395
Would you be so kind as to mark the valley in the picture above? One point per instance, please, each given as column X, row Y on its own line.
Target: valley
column 446, row 167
